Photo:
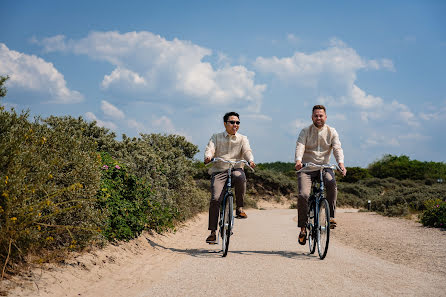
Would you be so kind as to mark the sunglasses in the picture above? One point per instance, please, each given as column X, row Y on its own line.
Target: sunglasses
column 233, row 122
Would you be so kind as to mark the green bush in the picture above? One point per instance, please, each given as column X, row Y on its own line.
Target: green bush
column 271, row 182
column 354, row 174
column 435, row 213
column 3, row 90
column 401, row 167
column 282, row 167
column 125, row 199
column 166, row 163
column 49, row 180
column 103, row 138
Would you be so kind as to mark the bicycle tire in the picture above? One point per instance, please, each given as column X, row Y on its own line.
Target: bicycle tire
column 227, row 224
column 323, row 230
column 310, row 227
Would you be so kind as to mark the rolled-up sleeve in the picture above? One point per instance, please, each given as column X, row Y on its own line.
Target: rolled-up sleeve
column 300, row 146
column 337, row 149
column 209, row 152
column 246, row 150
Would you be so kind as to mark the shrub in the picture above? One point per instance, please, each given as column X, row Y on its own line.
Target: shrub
column 165, row 162
column 354, row 174
column 125, row 199
column 282, row 167
column 104, row 139
column 435, row 213
column 3, row 90
column 271, row 182
column 403, row 168
column 49, row 180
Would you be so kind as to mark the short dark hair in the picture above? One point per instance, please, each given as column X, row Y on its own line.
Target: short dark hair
column 228, row 114
column 319, row 107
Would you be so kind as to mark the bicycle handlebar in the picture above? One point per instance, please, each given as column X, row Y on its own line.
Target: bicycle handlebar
column 323, row 166
column 218, row 159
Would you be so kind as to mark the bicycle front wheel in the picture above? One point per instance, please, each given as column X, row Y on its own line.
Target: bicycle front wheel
column 227, row 224
column 323, row 230
column 311, row 227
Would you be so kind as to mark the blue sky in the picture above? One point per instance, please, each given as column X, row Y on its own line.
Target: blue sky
column 177, row 66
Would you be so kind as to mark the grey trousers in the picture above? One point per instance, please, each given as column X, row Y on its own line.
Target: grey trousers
column 304, row 183
column 218, row 181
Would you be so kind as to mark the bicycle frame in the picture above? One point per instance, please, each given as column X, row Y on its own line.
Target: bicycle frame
column 228, row 195
column 317, row 193
column 317, row 196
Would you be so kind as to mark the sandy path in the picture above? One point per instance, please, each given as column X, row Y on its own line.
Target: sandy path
column 401, row 259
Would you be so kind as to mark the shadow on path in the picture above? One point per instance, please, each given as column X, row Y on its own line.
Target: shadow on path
column 204, row 253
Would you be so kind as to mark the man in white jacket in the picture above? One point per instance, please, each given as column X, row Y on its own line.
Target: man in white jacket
column 315, row 144
column 228, row 145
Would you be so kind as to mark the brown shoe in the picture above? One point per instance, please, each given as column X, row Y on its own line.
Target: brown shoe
column 332, row 223
column 240, row 214
column 302, row 238
column 212, row 239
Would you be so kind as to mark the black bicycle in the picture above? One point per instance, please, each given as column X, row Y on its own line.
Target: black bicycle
column 318, row 224
column 226, row 222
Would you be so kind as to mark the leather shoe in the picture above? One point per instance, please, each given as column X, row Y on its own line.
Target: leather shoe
column 332, row 223
column 211, row 238
column 241, row 214
column 302, row 238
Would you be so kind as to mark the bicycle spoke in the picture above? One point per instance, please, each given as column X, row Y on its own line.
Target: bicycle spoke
column 227, row 221
column 310, row 228
column 323, row 230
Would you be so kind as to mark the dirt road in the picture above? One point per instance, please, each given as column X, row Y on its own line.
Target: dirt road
column 369, row 255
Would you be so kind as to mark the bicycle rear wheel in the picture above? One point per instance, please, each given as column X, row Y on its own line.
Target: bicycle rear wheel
column 310, row 227
column 227, row 224
column 323, row 230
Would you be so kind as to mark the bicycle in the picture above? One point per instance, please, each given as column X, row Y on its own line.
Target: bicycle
column 318, row 223
column 226, row 222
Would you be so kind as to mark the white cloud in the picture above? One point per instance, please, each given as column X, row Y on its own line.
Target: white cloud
column 51, row 44
column 394, row 112
column 261, row 117
column 438, row 112
column 140, row 128
column 125, row 76
column 331, row 74
column 149, row 64
column 111, row 111
column 388, row 64
column 34, row 74
column 376, row 140
column 165, row 125
column 299, row 124
column 92, row 117
column 403, row 113
column 330, row 69
column 361, row 99
column 338, row 116
column 414, row 137
column 292, row 38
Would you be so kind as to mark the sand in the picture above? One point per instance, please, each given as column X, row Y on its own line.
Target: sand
column 369, row 255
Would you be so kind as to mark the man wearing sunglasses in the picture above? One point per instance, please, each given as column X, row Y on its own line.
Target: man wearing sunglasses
column 228, row 145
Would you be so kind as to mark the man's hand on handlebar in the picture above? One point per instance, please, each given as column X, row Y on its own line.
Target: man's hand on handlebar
column 343, row 170
column 298, row 165
column 207, row 160
column 252, row 164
